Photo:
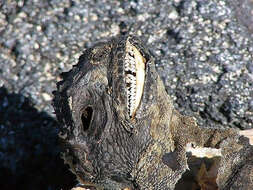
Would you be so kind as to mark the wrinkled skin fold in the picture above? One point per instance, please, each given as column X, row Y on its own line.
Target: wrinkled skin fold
column 116, row 137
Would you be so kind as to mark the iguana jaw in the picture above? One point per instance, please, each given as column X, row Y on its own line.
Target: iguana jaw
column 134, row 69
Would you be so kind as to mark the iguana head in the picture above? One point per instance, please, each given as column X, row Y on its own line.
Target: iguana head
column 105, row 105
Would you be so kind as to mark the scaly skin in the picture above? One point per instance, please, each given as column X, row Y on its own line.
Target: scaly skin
column 108, row 149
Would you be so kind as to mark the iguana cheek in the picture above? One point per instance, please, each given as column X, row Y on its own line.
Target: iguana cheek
column 134, row 69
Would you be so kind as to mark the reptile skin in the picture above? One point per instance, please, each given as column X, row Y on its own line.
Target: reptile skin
column 107, row 146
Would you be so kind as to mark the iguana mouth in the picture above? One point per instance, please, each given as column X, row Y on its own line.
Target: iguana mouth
column 134, row 77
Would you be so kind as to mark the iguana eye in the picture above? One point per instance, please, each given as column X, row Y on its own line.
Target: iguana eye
column 134, row 68
column 86, row 117
column 100, row 54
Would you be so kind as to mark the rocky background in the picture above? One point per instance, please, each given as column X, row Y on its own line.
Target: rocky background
column 203, row 50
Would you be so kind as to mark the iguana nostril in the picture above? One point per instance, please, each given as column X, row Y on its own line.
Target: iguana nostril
column 86, row 117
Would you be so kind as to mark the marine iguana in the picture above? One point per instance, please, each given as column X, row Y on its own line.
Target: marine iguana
column 121, row 131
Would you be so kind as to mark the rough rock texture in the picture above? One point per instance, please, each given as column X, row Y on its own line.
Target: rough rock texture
column 203, row 53
column 109, row 149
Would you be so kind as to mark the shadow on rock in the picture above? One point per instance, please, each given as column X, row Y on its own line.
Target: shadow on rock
column 29, row 147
